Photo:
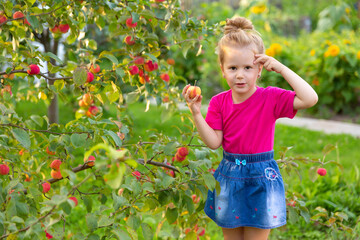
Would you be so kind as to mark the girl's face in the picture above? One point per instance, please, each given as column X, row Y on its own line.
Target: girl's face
column 240, row 72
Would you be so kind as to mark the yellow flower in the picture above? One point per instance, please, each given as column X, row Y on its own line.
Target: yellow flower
column 328, row 42
column 277, row 47
column 326, row 54
column 273, row 50
column 346, row 41
column 312, row 52
column 270, row 52
column 258, row 9
column 347, row 10
column 358, row 55
column 334, row 50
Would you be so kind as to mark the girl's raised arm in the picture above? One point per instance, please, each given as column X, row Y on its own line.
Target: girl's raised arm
column 305, row 95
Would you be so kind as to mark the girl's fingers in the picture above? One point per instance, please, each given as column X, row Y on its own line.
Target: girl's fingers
column 185, row 89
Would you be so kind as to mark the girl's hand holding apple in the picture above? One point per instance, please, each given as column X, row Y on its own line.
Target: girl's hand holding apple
column 192, row 95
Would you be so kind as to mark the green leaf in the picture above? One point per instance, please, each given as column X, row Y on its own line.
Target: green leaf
column 50, row 54
column 170, row 148
column 134, row 222
column 171, row 215
column 88, row 203
column 147, row 231
column 115, row 137
column 37, row 119
column 209, row 181
column 112, row 58
column 132, row 97
column 121, row 234
column 33, row 21
column 22, row 136
column 66, row 207
column 59, row 84
column 293, row 215
column 304, row 212
column 91, row 221
column 78, row 140
column 93, row 237
column 115, row 175
column 167, row 181
column 105, row 221
column 79, row 76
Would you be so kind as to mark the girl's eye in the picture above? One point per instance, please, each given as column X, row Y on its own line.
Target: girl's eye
column 233, row 68
column 247, row 67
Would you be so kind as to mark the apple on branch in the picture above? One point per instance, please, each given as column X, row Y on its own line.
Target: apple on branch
column 130, row 24
column 3, row 18
column 95, row 69
column 33, row 69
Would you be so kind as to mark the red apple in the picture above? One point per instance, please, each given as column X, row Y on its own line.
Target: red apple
column 4, row 169
column 201, row 231
column 90, row 161
column 46, row 187
column 193, row 91
column 149, row 66
column 179, row 158
column 18, row 14
column 183, row 151
column 130, row 24
column 93, row 110
column 55, row 29
column 64, row 28
column 128, row 40
column 56, row 174
column 165, row 77
column 136, row 174
column 74, row 199
column 195, row 198
column 133, row 70
column 56, row 164
column 2, row 19
column 170, row 61
column 96, row 69
column 33, row 69
column 321, row 171
column 90, row 77
column 139, row 61
column 49, row 152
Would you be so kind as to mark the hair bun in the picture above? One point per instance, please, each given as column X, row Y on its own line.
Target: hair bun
column 236, row 24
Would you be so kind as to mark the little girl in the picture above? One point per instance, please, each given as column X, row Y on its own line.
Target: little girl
column 242, row 121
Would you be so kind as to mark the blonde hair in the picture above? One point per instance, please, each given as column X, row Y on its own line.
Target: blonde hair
column 240, row 31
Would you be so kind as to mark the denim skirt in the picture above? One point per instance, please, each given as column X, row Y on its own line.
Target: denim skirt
column 252, row 192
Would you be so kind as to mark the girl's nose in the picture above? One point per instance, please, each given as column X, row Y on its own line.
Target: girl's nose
column 239, row 74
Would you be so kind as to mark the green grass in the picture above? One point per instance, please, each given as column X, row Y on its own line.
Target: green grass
column 331, row 191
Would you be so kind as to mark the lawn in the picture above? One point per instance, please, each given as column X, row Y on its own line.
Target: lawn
column 337, row 191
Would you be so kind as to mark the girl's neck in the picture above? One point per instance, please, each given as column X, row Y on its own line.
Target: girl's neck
column 240, row 98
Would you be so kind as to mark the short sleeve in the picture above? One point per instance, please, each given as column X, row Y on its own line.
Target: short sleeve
column 284, row 103
column 213, row 116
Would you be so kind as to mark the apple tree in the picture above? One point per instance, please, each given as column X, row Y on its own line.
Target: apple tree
column 85, row 178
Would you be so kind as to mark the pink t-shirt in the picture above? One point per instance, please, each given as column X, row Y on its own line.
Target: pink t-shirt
column 249, row 127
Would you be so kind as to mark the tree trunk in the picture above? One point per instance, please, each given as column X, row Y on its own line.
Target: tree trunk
column 53, row 109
